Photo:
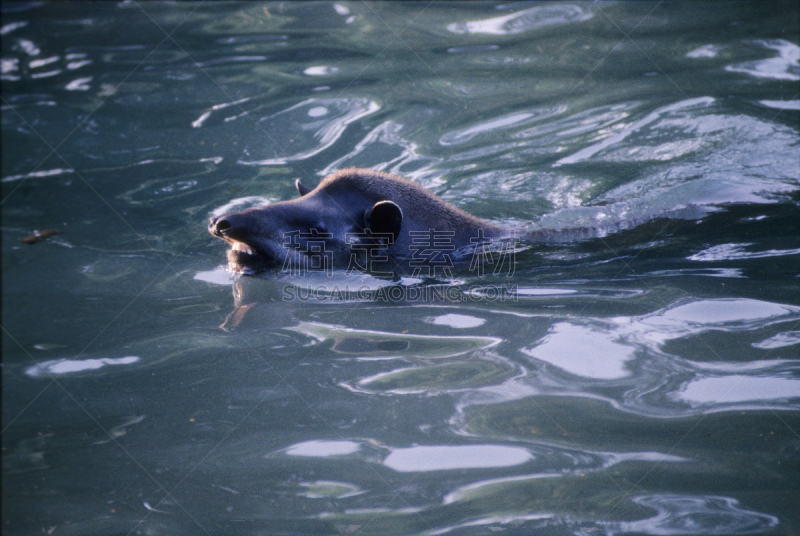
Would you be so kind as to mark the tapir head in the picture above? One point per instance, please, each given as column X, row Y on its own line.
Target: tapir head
column 321, row 229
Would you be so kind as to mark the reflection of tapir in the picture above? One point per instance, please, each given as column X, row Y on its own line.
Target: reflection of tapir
column 354, row 217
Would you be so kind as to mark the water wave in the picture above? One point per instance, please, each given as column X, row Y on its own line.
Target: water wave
column 385, row 148
column 57, row 367
column 685, row 514
column 515, row 120
column 727, row 252
column 307, row 128
column 638, row 354
column 785, row 66
column 524, row 21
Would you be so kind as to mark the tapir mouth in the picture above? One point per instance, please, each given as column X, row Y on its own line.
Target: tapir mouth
column 245, row 259
column 241, row 248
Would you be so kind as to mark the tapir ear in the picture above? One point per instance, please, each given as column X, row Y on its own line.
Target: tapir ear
column 303, row 190
column 384, row 217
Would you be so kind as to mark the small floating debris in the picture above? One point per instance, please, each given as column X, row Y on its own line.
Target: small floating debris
column 38, row 236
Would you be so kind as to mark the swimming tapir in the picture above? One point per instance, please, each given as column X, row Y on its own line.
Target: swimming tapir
column 352, row 218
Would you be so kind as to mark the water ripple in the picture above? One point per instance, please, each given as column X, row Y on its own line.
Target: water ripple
column 642, row 356
column 57, row 367
column 197, row 123
column 689, row 104
column 781, row 340
column 308, row 128
column 38, row 174
column 786, row 66
column 749, row 164
column 516, row 120
column 523, row 21
column 431, row 379
column 687, row 514
column 727, row 252
column 384, row 148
